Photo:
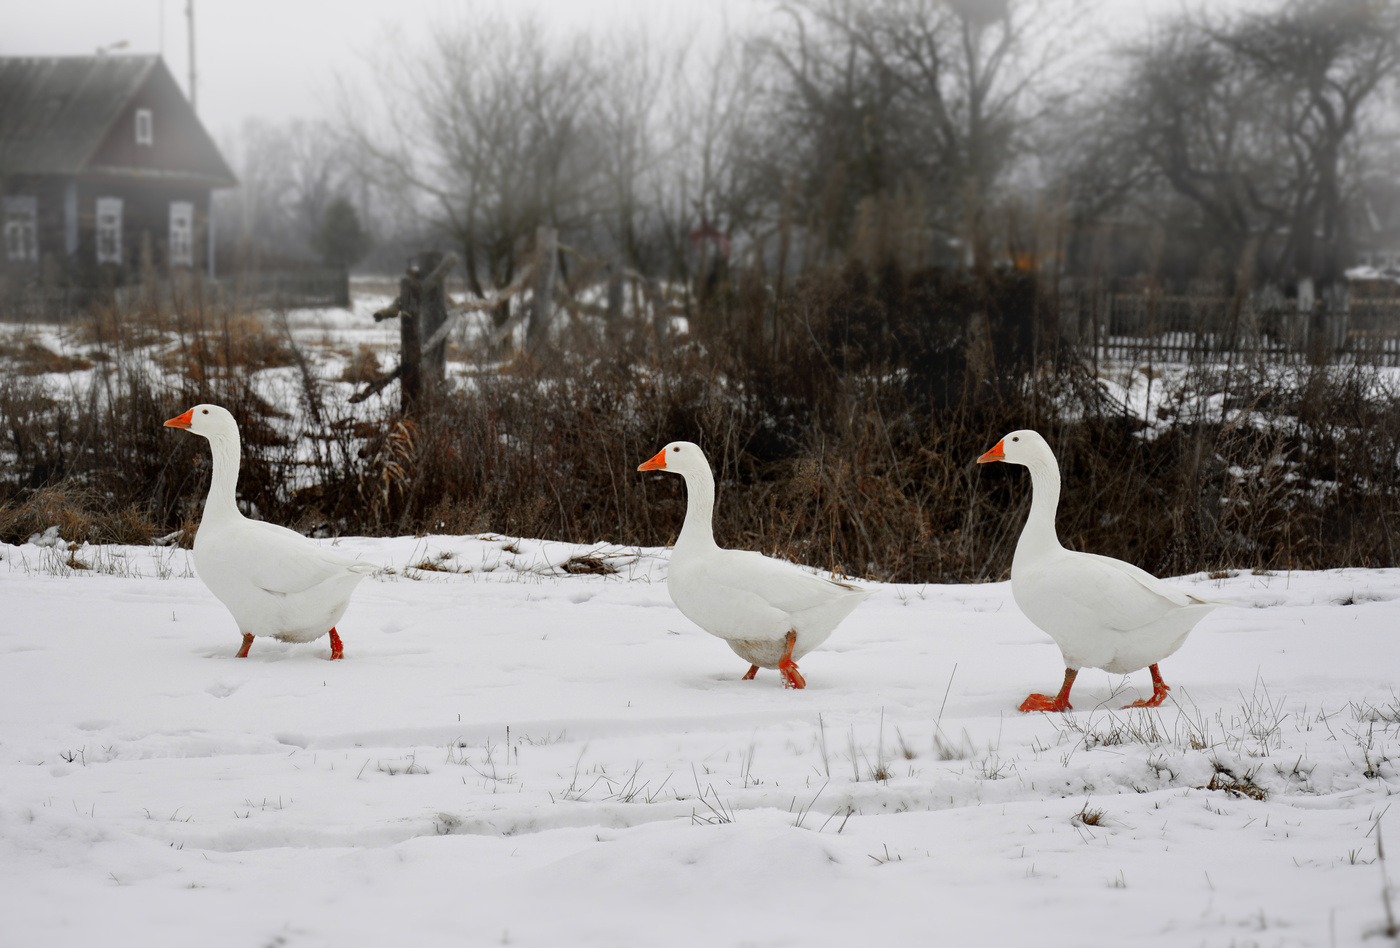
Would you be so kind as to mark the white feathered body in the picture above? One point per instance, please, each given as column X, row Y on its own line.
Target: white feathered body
column 273, row 580
column 1102, row 612
column 752, row 601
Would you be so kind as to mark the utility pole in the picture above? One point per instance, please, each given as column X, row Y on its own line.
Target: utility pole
column 189, row 14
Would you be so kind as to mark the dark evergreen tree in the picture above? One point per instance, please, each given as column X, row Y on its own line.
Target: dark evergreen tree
column 340, row 240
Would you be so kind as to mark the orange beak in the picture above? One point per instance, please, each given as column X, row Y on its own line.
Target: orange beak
column 997, row 453
column 657, row 463
column 181, row 421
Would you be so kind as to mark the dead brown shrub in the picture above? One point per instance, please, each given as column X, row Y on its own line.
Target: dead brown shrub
column 79, row 515
column 363, row 366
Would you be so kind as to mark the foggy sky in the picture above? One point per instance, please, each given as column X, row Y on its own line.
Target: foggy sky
column 277, row 59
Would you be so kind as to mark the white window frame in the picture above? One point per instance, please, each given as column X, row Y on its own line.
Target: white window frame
column 22, row 228
column 109, row 230
column 145, row 130
column 182, row 233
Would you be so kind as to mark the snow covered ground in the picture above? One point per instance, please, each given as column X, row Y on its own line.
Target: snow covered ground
column 510, row 754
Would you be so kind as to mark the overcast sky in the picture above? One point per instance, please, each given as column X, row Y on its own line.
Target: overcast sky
column 277, row 59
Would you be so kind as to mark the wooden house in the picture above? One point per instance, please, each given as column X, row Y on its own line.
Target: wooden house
column 104, row 169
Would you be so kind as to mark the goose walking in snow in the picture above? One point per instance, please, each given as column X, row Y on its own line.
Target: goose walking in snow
column 273, row 580
column 770, row 612
column 1101, row 612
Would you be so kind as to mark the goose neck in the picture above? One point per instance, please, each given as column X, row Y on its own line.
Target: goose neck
column 223, row 496
column 1045, row 500
column 698, row 530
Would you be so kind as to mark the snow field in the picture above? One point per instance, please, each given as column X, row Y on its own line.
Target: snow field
column 510, row 754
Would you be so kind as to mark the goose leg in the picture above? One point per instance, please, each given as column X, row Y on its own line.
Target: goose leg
column 1159, row 691
column 748, row 675
column 337, row 649
column 1058, row 703
column 792, row 678
column 247, row 641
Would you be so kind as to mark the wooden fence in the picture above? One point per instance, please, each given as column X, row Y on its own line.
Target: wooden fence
column 275, row 289
column 1155, row 327
column 291, row 288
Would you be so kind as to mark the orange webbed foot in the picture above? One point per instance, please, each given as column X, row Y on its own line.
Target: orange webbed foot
column 792, row 678
column 337, row 648
column 1159, row 692
column 749, row 675
column 1058, row 703
column 247, row 642
column 1045, row 703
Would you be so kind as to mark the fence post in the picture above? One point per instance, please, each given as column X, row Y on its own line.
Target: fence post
column 410, row 341
column 542, row 306
column 432, row 310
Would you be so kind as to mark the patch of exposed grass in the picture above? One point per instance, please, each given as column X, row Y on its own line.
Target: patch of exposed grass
column 1240, row 785
column 589, row 565
column 1088, row 817
column 363, row 366
column 440, row 564
column 80, row 516
column 242, row 342
column 34, row 358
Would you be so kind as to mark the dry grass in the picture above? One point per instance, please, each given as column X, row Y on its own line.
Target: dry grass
column 240, row 343
column 363, row 367
column 79, row 515
column 1088, row 817
column 589, row 565
column 1240, row 785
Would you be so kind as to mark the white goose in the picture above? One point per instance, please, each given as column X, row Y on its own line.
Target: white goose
column 1101, row 612
column 770, row 612
column 275, row 581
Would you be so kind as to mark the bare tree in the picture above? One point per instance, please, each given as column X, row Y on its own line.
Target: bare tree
column 1326, row 59
column 491, row 131
column 640, row 144
column 288, row 173
column 931, row 96
column 1252, row 122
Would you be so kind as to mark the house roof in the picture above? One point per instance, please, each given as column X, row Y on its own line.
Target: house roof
column 56, row 113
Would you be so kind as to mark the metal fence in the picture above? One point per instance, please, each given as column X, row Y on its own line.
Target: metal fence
column 1158, row 327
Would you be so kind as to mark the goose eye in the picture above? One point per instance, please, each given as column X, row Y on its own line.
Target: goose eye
column 206, row 411
column 1015, row 439
column 677, row 448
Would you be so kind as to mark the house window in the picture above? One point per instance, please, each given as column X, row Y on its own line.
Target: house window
column 144, row 134
column 21, row 228
column 109, row 230
column 181, row 234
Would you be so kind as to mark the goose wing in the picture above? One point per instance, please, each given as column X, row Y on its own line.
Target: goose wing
column 282, row 561
column 1115, row 594
column 772, row 583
